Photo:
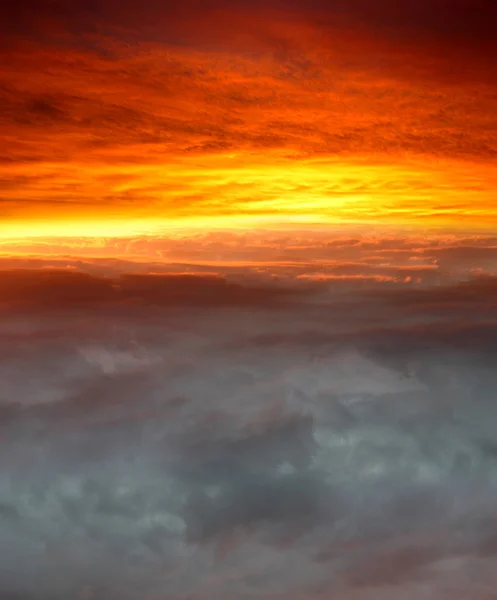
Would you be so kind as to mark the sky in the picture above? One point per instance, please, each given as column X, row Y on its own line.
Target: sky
column 248, row 270
column 130, row 117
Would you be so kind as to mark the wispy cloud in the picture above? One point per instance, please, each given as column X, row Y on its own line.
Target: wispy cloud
column 242, row 110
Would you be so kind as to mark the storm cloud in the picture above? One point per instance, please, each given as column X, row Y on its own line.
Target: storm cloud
column 165, row 449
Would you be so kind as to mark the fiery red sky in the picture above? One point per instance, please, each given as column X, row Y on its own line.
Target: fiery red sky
column 124, row 118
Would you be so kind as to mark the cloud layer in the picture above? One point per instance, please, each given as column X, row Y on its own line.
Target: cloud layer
column 238, row 110
column 186, row 436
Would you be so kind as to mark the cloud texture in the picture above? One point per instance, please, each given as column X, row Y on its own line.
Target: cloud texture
column 248, row 326
column 185, row 437
column 238, row 110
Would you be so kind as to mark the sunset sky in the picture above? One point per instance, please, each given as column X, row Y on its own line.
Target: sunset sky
column 123, row 118
column 248, row 316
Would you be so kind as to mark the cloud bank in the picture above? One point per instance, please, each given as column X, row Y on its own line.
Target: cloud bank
column 185, row 437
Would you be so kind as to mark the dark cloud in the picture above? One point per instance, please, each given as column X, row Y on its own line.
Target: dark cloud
column 217, row 462
column 465, row 24
column 474, row 295
column 462, row 29
column 440, row 20
column 53, row 287
column 70, row 288
column 259, row 452
column 45, row 107
column 462, row 20
column 198, row 290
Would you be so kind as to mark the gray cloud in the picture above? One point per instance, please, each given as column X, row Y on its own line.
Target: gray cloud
column 159, row 453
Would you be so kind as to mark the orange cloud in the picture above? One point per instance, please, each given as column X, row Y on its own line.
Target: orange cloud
column 245, row 116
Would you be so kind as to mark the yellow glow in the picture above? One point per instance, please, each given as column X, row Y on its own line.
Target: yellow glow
column 61, row 229
column 255, row 191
